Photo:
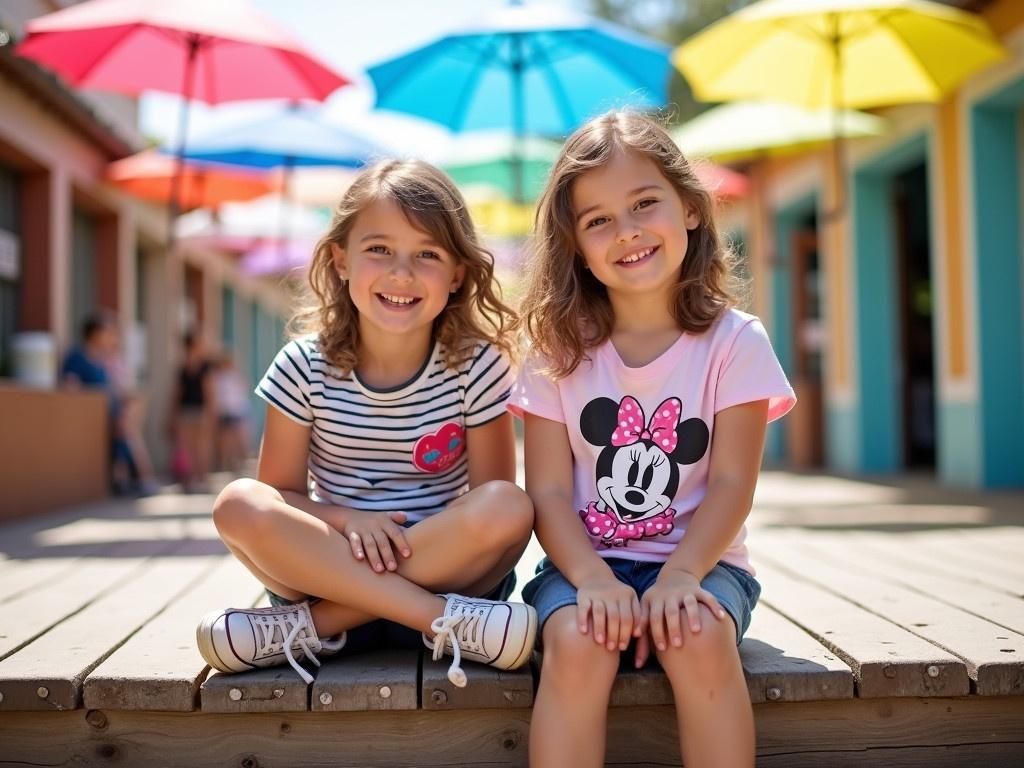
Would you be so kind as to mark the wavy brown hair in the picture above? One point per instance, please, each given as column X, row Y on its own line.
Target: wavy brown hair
column 432, row 203
column 565, row 310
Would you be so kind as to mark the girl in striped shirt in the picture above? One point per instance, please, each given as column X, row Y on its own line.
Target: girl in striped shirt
column 385, row 504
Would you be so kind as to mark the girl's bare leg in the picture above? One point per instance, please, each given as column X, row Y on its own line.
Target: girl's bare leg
column 570, row 714
column 468, row 547
column 716, row 721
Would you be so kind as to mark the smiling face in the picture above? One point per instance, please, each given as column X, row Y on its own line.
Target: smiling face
column 637, row 481
column 398, row 278
column 631, row 227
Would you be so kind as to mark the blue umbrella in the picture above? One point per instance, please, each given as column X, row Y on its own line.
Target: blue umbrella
column 287, row 137
column 534, row 69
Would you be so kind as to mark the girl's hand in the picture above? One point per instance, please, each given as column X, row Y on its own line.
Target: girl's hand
column 674, row 594
column 610, row 609
column 371, row 535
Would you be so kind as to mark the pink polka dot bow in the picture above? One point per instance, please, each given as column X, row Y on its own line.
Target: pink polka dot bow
column 661, row 431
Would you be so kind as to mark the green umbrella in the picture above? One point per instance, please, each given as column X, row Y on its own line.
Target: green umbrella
column 746, row 129
column 491, row 159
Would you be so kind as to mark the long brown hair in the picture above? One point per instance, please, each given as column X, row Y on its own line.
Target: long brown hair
column 565, row 309
column 431, row 201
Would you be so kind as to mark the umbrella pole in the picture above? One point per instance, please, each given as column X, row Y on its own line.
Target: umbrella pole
column 286, row 184
column 838, row 149
column 518, row 119
column 174, row 205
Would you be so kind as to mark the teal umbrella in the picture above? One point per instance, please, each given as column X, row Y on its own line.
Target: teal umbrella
column 495, row 158
column 532, row 69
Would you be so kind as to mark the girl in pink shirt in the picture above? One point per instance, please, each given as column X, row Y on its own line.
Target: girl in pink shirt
column 645, row 397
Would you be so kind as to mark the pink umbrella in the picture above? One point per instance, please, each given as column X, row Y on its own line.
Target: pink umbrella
column 724, row 183
column 217, row 51
column 277, row 257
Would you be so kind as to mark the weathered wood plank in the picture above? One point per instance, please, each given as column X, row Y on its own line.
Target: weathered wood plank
column 28, row 616
column 995, row 664
column 878, row 733
column 781, row 662
column 1005, row 542
column 48, row 673
column 901, row 552
column 948, row 548
column 997, row 606
column 276, row 689
column 367, row 681
column 784, row 663
column 159, row 667
column 20, row 576
column 488, row 688
column 886, row 660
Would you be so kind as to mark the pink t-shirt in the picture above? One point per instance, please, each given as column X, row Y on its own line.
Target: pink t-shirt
column 641, row 437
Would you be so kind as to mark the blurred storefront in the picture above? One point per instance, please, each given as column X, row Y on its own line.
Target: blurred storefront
column 900, row 321
column 71, row 244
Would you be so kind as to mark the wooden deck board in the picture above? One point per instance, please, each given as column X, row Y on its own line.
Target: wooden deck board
column 31, row 614
column 488, row 688
column 945, row 548
column 159, row 667
column 995, row 664
column 834, row 662
column 886, row 659
column 385, row 680
column 49, row 672
column 995, row 605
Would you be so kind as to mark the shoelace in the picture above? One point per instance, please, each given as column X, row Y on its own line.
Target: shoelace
column 458, row 630
column 280, row 623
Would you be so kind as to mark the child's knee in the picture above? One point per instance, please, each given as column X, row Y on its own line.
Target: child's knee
column 574, row 659
column 503, row 513
column 242, row 506
column 709, row 655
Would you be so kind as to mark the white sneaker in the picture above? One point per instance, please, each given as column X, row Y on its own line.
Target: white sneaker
column 238, row 639
column 491, row 632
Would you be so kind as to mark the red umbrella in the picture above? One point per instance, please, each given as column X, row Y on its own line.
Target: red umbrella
column 215, row 51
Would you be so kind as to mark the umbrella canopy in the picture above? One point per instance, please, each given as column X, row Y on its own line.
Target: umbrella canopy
column 257, row 219
column 533, row 68
column 746, row 129
column 215, row 52
column 837, row 53
column 491, row 158
column 286, row 136
column 723, row 183
column 211, row 51
column 149, row 176
column 276, row 258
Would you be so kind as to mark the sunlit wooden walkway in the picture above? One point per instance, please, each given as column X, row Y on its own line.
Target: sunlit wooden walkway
column 890, row 632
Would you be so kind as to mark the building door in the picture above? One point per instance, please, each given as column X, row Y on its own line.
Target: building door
column 807, row 423
column 915, row 316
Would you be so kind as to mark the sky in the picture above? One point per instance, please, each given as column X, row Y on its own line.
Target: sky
column 349, row 35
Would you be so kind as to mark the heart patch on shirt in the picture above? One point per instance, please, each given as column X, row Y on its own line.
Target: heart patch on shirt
column 437, row 452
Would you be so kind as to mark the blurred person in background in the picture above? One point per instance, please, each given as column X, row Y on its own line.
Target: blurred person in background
column 192, row 416
column 96, row 363
column 231, row 393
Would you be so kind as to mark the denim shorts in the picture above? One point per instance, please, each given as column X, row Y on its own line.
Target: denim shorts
column 383, row 634
column 735, row 589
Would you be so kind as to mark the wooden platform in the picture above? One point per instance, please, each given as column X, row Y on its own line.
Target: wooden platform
column 890, row 632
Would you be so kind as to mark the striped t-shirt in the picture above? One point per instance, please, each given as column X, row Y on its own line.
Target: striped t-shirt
column 400, row 449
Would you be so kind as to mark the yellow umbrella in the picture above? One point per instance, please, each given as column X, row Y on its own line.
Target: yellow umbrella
column 495, row 214
column 837, row 53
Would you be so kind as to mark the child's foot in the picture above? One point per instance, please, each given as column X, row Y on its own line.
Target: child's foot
column 491, row 632
column 238, row 639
